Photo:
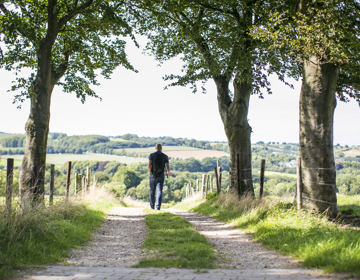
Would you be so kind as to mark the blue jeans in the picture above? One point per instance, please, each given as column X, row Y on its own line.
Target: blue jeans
column 156, row 184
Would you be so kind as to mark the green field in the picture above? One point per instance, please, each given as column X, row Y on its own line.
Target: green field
column 165, row 149
column 118, row 140
column 271, row 174
column 60, row 159
column 6, row 135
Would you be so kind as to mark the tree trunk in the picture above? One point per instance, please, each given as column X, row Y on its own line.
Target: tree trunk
column 234, row 116
column 32, row 175
column 317, row 105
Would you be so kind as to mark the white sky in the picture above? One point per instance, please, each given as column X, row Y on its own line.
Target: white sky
column 137, row 103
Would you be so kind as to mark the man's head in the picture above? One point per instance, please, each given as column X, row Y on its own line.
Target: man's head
column 158, row 147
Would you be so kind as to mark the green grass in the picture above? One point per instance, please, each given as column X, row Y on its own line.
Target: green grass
column 312, row 239
column 17, row 162
column 44, row 235
column 173, row 242
column 346, row 202
column 60, row 159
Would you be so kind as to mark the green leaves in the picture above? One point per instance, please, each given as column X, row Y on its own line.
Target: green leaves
column 82, row 39
column 328, row 30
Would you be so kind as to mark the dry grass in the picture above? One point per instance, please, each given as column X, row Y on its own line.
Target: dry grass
column 132, row 202
column 200, row 154
column 353, row 152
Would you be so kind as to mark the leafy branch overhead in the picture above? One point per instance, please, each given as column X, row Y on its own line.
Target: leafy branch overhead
column 213, row 39
column 329, row 31
column 82, row 36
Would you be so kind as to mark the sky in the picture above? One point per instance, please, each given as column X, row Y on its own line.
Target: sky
column 137, row 103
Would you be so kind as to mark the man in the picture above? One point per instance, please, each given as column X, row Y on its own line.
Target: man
column 156, row 166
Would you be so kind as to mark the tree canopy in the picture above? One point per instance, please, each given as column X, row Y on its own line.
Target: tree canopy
column 328, row 30
column 85, row 37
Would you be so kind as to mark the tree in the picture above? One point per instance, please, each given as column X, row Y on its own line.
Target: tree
column 127, row 176
column 63, row 43
column 212, row 38
column 324, row 36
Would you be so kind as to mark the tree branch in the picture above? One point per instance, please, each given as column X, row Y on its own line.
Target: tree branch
column 205, row 5
column 61, row 69
column 74, row 12
column 3, row 8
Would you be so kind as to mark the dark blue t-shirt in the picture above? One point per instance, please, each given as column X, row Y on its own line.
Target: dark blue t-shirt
column 151, row 157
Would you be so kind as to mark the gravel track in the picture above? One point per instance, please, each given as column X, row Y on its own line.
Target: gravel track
column 236, row 248
column 116, row 243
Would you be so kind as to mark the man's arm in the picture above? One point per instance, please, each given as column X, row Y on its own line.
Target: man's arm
column 167, row 169
column 149, row 166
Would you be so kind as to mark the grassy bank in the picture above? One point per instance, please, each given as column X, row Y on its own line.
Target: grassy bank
column 173, row 242
column 43, row 235
column 312, row 239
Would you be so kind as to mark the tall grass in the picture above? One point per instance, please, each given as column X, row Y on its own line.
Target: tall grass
column 43, row 235
column 313, row 239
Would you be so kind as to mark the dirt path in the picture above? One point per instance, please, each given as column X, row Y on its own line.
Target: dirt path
column 237, row 249
column 116, row 246
column 116, row 243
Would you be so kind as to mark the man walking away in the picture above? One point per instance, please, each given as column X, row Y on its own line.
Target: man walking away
column 156, row 167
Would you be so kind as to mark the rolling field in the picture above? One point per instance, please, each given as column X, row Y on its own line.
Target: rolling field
column 198, row 154
column 6, row 135
column 352, row 152
column 60, row 159
column 182, row 152
column 272, row 173
column 166, row 149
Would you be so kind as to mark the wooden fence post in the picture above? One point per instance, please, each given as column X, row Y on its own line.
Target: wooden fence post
column 197, row 185
column 211, row 184
column 207, row 185
column 68, row 177
column 84, row 183
column 217, row 180
column 52, row 181
column 262, row 172
column 88, row 175
column 78, row 184
column 238, row 175
column 203, row 182
column 220, row 172
column 298, row 186
column 9, row 183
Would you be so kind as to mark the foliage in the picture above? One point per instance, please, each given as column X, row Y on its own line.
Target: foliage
column 173, row 242
column 328, row 30
column 116, row 188
column 101, row 177
column 28, row 27
column 212, row 38
column 127, row 177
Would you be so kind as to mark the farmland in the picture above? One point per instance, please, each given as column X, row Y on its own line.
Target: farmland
column 60, row 159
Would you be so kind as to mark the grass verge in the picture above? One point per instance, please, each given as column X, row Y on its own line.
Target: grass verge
column 314, row 240
column 43, row 235
column 173, row 242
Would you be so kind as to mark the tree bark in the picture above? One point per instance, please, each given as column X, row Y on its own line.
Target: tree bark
column 32, row 174
column 317, row 105
column 238, row 131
